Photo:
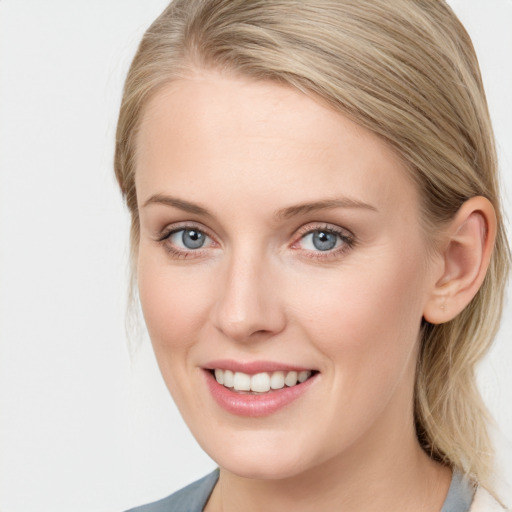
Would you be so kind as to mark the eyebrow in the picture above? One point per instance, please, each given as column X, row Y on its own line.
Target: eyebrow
column 177, row 203
column 285, row 213
column 327, row 204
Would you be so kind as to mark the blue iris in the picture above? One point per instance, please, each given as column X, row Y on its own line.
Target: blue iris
column 192, row 238
column 324, row 241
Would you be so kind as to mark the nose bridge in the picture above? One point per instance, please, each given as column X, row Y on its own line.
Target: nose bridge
column 249, row 301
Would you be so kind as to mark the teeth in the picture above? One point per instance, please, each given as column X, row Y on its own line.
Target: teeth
column 260, row 382
column 219, row 375
column 228, row 378
column 290, row 379
column 242, row 382
column 304, row 375
column 277, row 380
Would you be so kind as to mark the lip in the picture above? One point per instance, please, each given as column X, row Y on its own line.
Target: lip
column 253, row 406
column 253, row 367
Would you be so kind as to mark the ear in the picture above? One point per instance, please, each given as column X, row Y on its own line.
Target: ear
column 466, row 247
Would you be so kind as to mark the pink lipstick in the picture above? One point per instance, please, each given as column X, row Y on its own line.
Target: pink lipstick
column 258, row 388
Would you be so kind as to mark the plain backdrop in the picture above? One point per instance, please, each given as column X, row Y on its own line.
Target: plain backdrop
column 84, row 427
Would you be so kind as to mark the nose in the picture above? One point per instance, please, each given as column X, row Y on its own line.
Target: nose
column 249, row 305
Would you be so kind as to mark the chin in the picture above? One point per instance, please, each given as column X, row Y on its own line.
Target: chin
column 262, row 458
column 267, row 469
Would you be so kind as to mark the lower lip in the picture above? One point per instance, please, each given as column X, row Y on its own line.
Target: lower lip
column 243, row 404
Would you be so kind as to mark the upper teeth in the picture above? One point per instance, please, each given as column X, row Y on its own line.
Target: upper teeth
column 260, row 382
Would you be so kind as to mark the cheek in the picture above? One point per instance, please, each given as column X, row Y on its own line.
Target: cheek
column 366, row 325
column 175, row 307
column 365, row 320
column 174, row 302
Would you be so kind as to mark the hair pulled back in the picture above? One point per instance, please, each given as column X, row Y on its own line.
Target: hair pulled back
column 407, row 71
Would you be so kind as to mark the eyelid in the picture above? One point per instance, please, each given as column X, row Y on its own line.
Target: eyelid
column 347, row 238
column 347, row 241
column 170, row 229
column 322, row 226
column 163, row 238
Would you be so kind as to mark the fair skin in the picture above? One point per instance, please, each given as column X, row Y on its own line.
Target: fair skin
column 338, row 288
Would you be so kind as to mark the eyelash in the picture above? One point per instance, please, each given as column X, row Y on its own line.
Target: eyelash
column 164, row 237
column 347, row 241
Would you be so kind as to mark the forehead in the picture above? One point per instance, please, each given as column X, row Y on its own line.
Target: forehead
column 253, row 139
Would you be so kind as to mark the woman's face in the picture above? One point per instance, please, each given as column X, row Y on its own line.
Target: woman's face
column 279, row 240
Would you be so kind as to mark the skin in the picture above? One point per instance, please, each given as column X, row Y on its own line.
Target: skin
column 239, row 151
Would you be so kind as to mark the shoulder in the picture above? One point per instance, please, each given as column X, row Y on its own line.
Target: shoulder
column 192, row 498
column 483, row 501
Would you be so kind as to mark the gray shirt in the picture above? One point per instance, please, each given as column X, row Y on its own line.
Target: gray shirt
column 193, row 498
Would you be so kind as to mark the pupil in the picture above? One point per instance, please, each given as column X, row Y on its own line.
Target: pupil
column 193, row 239
column 324, row 241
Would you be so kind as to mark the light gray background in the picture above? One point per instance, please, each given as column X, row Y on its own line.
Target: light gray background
column 81, row 427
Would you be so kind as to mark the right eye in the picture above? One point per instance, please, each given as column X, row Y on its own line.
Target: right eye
column 322, row 240
column 185, row 241
column 188, row 239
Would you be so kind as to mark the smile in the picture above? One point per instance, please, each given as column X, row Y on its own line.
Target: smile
column 257, row 389
column 263, row 382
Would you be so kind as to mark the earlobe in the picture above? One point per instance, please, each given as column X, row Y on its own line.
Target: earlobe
column 466, row 251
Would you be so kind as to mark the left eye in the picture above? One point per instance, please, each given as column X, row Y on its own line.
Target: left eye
column 188, row 239
column 321, row 240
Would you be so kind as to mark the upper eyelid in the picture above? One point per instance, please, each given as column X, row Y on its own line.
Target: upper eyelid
column 324, row 226
column 348, row 239
column 174, row 228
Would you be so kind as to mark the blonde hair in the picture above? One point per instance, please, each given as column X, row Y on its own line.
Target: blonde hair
column 404, row 69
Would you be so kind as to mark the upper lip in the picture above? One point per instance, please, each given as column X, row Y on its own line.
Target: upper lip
column 253, row 367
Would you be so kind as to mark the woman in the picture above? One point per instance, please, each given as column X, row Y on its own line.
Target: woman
column 319, row 249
